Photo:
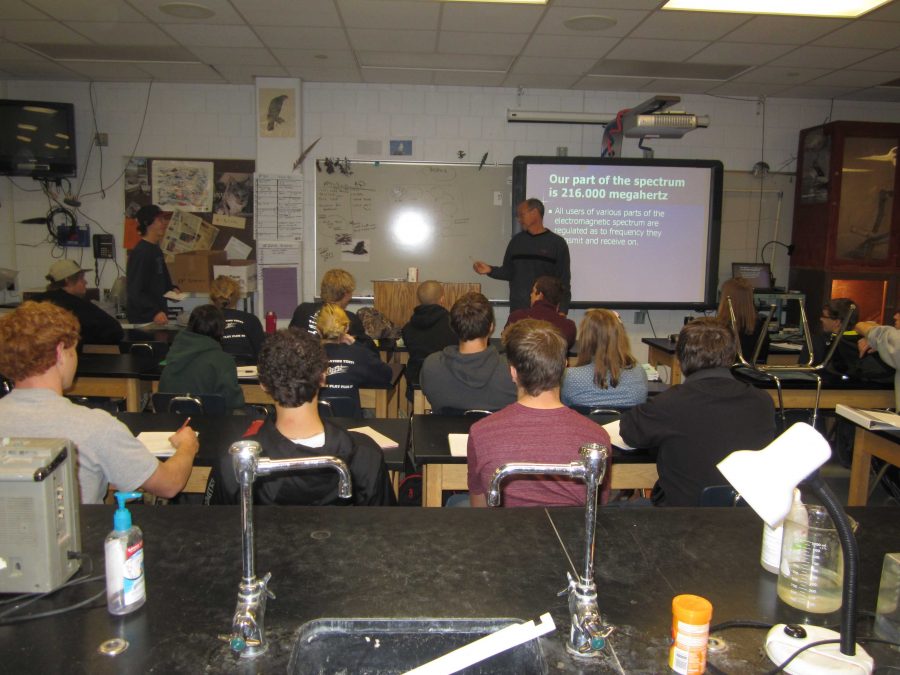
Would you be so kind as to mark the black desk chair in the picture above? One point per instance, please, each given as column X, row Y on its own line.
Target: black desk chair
column 6, row 386
column 474, row 413
column 720, row 495
column 339, row 405
column 189, row 404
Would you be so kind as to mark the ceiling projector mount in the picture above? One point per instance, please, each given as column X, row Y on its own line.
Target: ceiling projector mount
column 646, row 120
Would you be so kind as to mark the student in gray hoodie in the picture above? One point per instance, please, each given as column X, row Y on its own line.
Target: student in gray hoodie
column 472, row 375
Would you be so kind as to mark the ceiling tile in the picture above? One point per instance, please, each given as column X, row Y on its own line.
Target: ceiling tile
column 111, row 71
column 393, row 14
column 394, row 76
column 325, row 74
column 553, row 21
column 856, row 78
column 364, row 39
column 877, row 94
column 311, row 58
column 884, row 61
column 811, row 91
column 235, row 55
column 739, row 52
column 560, row 46
column 181, row 72
column 666, row 69
column 538, row 81
column 748, row 89
column 508, row 44
column 789, row 30
column 689, row 25
column 289, row 12
column 16, row 9
column 10, row 51
column 599, row 83
column 681, row 86
column 223, row 12
column 247, row 74
column 890, row 12
column 830, row 57
column 463, row 78
column 39, row 69
column 868, row 34
column 656, row 50
column 544, row 66
column 112, row 33
column 212, row 36
column 88, row 10
column 485, row 18
column 436, row 61
column 40, row 31
column 778, row 75
column 300, row 37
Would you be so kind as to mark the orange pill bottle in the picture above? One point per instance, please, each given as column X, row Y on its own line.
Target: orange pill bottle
column 691, row 615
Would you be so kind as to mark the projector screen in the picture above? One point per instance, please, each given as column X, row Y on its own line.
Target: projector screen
column 641, row 233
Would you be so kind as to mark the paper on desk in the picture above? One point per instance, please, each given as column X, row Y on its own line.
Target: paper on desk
column 383, row 441
column 787, row 345
column 459, row 444
column 612, row 428
column 247, row 371
column 175, row 296
column 157, row 442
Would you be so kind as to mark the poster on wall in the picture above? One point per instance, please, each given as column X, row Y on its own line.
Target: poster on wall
column 276, row 113
column 183, row 185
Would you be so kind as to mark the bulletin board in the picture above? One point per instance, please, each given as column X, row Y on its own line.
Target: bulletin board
column 218, row 191
column 439, row 218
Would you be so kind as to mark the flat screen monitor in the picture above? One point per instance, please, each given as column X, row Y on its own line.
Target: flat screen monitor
column 37, row 139
column 758, row 274
column 642, row 233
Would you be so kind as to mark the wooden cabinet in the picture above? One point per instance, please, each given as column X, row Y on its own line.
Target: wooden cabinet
column 846, row 234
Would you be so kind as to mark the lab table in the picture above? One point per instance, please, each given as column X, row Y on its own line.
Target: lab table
column 114, row 376
column 426, row 563
column 884, row 445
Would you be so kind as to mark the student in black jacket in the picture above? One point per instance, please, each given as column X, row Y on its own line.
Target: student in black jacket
column 292, row 367
column 428, row 330
column 244, row 334
column 336, row 288
column 68, row 289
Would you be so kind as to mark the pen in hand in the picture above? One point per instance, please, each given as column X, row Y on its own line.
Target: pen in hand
column 186, row 422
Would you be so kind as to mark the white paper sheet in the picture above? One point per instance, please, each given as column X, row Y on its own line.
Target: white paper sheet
column 157, row 442
column 459, row 444
column 612, row 428
column 383, row 441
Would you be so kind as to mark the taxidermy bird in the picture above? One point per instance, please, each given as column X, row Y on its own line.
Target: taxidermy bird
column 274, row 114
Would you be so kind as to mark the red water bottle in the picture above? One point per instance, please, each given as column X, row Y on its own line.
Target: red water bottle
column 271, row 322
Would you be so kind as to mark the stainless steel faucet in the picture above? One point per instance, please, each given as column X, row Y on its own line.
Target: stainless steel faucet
column 588, row 633
column 247, row 635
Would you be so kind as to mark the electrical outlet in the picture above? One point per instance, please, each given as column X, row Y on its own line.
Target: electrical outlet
column 562, row 151
column 101, row 139
column 639, row 316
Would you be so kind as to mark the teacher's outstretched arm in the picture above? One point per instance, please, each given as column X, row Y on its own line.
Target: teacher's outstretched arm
column 481, row 267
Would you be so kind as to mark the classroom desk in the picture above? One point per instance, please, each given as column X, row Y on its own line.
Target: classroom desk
column 384, row 400
column 430, row 451
column 113, row 375
column 800, row 394
column 216, row 434
column 866, row 445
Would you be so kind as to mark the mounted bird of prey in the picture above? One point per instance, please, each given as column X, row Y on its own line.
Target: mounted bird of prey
column 273, row 116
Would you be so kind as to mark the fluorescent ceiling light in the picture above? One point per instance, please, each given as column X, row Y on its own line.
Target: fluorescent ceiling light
column 849, row 9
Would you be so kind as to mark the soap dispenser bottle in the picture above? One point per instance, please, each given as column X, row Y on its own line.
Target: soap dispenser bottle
column 770, row 556
column 124, row 549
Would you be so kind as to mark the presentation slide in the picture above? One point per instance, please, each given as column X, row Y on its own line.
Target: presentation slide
column 638, row 233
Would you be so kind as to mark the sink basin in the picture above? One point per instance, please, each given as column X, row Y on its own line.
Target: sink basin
column 388, row 646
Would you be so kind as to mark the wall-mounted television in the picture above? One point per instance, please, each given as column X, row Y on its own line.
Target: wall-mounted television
column 642, row 233
column 37, row 139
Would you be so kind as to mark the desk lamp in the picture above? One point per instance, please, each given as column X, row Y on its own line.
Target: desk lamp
column 766, row 480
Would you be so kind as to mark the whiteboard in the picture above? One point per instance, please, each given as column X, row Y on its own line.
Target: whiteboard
column 387, row 217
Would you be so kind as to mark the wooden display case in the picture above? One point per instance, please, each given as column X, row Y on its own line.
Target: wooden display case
column 846, row 233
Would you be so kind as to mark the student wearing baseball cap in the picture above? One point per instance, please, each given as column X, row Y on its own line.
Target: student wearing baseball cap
column 67, row 288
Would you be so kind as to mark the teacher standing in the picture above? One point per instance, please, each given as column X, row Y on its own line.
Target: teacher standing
column 533, row 252
column 146, row 275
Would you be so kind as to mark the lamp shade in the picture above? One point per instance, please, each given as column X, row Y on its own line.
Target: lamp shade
column 766, row 478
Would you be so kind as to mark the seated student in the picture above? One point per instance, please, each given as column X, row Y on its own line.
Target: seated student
column 68, row 289
column 885, row 340
column 472, row 374
column 196, row 363
column 292, row 367
column 846, row 362
column 39, row 356
column 698, row 423
column 546, row 294
column 428, row 330
column 606, row 372
column 243, row 336
column 336, row 288
column 350, row 364
column 537, row 428
column 749, row 322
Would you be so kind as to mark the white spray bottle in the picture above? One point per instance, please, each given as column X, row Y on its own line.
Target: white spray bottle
column 124, row 548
